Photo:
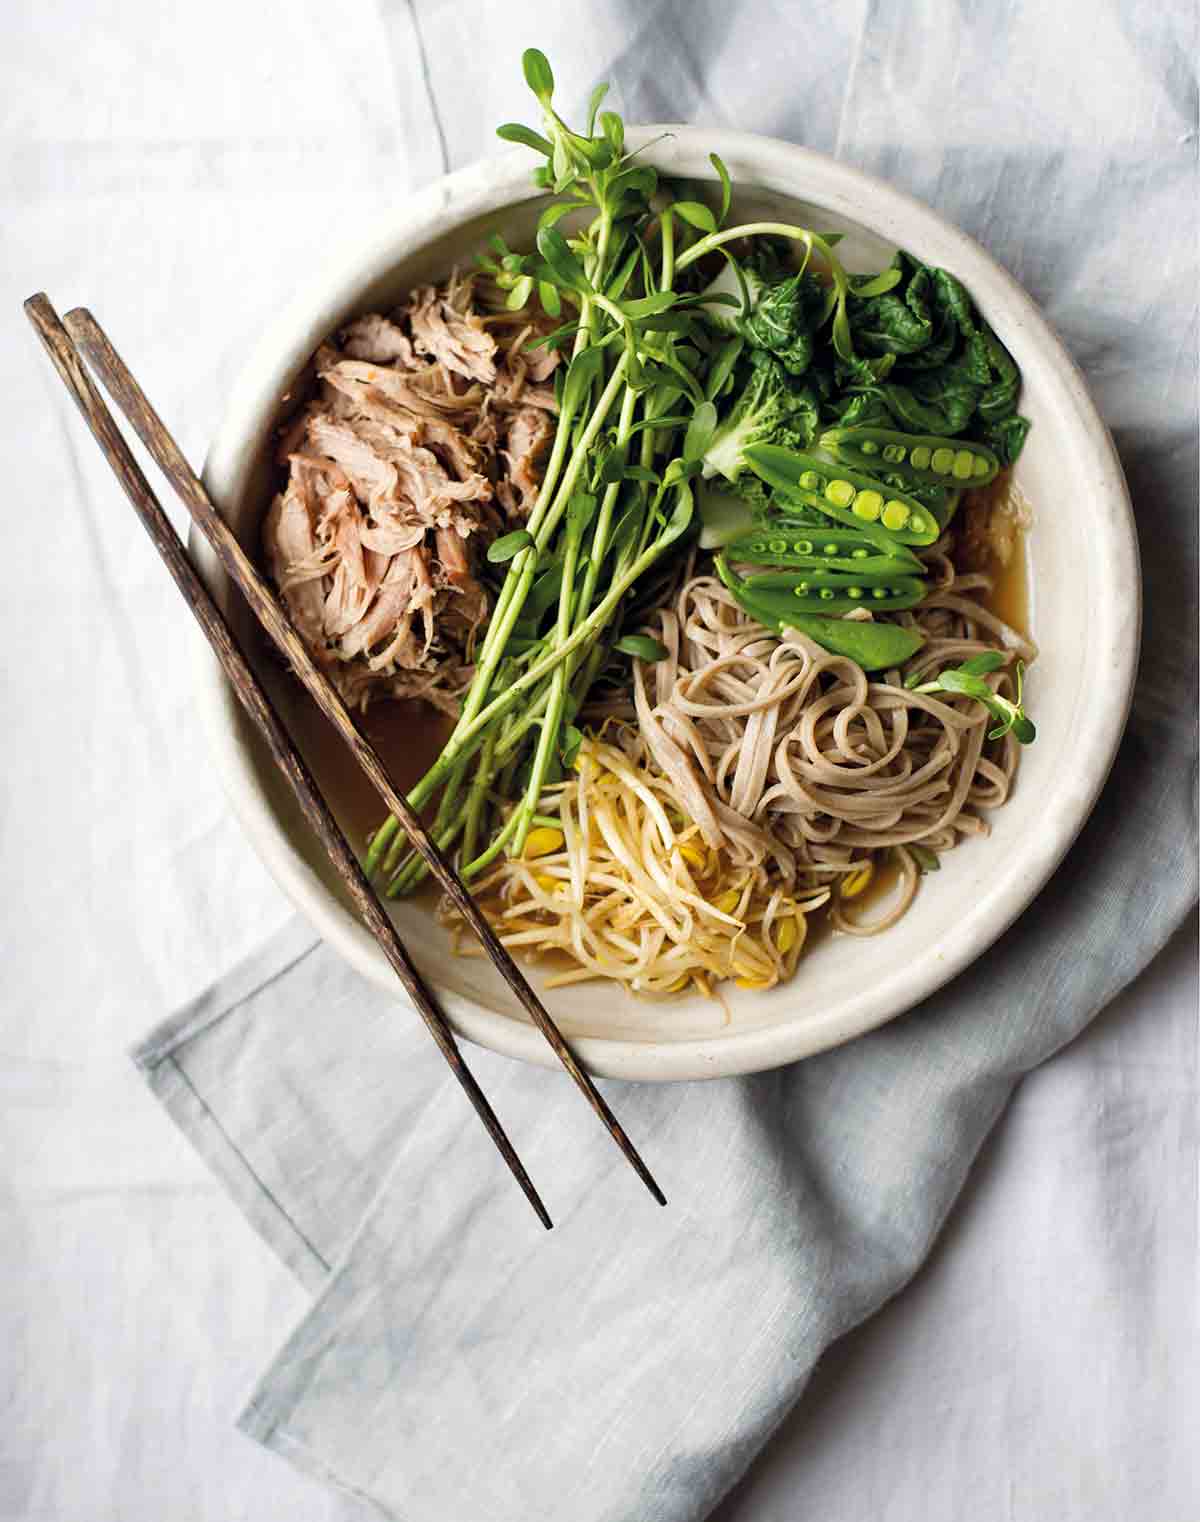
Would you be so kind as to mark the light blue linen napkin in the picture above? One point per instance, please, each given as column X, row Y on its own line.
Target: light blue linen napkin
column 457, row 1363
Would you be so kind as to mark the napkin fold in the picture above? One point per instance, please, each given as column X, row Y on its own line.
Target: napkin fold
column 459, row 1363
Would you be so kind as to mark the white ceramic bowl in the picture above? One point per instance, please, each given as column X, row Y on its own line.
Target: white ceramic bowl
column 1084, row 600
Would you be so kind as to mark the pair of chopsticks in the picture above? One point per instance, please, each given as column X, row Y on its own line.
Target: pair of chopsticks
column 79, row 336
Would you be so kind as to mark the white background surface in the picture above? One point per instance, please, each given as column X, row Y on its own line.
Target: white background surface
column 176, row 168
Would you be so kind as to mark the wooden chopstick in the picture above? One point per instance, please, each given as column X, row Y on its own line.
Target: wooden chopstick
column 260, row 709
column 128, row 395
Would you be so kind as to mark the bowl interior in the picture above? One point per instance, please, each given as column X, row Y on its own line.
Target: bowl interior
column 844, row 985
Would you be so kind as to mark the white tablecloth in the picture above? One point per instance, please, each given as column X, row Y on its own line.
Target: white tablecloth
column 177, row 168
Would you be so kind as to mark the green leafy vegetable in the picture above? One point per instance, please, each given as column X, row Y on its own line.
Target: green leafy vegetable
column 538, row 75
column 508, row 545
column 726, row 186
column 594, row 104
column 949, row 373
column 785, row 320
column 765, row 410
column 572, row 740
column 723, row 517
column 642, row 646
column 700, row 431
column 877, row 285
column 697, row 214
column 968, row 680
column 566, row 267
column 926, row 860
column 514, row 132
column 731, row 296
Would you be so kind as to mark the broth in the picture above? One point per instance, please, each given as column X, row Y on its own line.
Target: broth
column 874, row 898
column 1009, row 597
column 408, row 736
column 872, row 903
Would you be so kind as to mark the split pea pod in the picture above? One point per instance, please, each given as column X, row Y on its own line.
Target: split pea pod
column 777, row 542
column 757, row 552
column 914, row 457
column 881, row 512
column 788, row 502
column 874, row 647
column 822, row 591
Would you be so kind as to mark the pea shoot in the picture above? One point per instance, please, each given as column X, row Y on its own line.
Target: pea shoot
column 968, row 679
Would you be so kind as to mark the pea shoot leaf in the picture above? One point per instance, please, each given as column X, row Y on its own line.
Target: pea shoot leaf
column 968, row 681
column 642, row 646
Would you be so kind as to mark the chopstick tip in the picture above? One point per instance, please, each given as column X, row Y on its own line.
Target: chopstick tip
column 643, row 1172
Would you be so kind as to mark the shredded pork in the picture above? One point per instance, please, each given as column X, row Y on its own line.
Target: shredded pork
column 425, row 437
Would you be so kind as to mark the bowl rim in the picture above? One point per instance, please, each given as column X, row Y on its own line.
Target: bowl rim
column 490, row 185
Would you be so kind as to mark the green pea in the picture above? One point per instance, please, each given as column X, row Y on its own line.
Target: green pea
column 981, row 467
column 964, row 465
column 827, row 594
column 868, row 504
column 840, row 493
column 892, row 453
column 855, row 592
column 943, row 461
column 896, row 515
column 879, row 593
column 804, row 547
column 811, row 481
column 869, row 446
column 860, row 554
column 777, row 546
column 917, row 524
column 920, row 456
column 829, row 549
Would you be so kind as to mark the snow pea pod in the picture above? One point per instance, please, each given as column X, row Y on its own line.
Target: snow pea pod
column 856, row 500
column 772, row 537
column 874, row 647
column 915, row 457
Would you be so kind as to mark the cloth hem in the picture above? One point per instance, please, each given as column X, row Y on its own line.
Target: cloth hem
column 228, row 1162
column 156, row 1057
column 258, row 1427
